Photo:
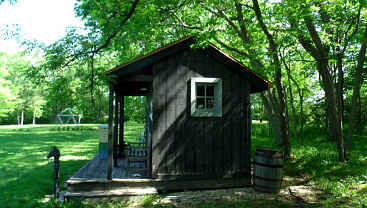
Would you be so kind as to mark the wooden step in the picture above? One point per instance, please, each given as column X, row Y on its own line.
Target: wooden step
column 121, row 195
column 102, row 185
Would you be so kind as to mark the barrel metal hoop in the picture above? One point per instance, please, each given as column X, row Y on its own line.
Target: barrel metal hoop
column 268, row 179
column 268, row 156
column 269, row 166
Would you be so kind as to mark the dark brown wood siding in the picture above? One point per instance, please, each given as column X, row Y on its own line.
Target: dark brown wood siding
column 199, row 147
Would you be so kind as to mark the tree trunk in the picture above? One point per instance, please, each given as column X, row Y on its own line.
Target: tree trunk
column 269, row 128
column 301, row 102
column 280, row 102
column 277, row 105
column 336, row 126
column 360, row 121
column 18, row 117
column 22, row 118
column 34, row 117
column 293, row 110
column 356, row 91
column 271, row 117
column 320, row 53
column 287, row 111
column 340, row 88
column 292, row 99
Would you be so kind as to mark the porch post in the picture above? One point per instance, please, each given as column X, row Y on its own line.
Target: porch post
column 110, row 142
column 121, row 136
column 115, row 132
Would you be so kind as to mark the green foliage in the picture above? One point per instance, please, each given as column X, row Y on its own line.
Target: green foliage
column 10, row 1
column 15, row 91
column 260, row 128
column 148, row 200
column 57, row 204
column 317, row 162
column 69, row 74
column 135, row 109
column 26, row 175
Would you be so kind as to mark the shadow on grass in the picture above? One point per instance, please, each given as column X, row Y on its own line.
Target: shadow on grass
column 316, row 164
column 26, row 176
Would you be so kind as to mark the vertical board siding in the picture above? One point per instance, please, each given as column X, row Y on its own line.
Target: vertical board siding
column 235, row 123
column 247, row 139
column 159, row 150
column 200, row 122
column 245, row 130
column 171, row 77
column 181, row 113
column 162, row 121
column 190, row 156
column 208, row 122
column 196, row 145
column 218, row 147
column 115, row 130
column 121, row 122
column 227, row 126
column 155, row 135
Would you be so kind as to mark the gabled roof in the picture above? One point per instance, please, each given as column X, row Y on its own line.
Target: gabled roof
column 258, row 83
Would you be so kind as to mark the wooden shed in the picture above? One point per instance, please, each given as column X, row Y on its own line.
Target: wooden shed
column 198, row 111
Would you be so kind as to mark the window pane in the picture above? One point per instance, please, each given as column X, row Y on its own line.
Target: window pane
column 200, row 103
column 200, row 90
column 210, row 103
column 209, row 90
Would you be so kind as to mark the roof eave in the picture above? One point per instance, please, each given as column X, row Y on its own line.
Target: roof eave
column 257, row 80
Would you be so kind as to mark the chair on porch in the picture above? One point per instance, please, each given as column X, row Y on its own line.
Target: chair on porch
column 137, row 152
column 142, row 137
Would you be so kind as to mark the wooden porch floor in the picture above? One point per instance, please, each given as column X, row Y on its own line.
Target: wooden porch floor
column 96, row 169
column 91, row 183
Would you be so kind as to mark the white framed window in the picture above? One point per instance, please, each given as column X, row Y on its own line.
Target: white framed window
column 206, row 97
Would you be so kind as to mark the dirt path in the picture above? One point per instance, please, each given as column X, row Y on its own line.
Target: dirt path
column 298, row 195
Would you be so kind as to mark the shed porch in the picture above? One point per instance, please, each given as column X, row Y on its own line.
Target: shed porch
column 90, row 182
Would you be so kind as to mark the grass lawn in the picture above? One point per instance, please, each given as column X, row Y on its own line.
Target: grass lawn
column 315, row 164
column 26, row 176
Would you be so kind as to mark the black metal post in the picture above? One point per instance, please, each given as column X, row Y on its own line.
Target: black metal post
column 56, row 178
column 56, row 165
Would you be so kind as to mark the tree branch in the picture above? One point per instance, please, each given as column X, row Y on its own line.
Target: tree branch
column 94, row 49
column 183, row 24
column 231, row 48
column 240, row 19
column 315, row 36
column 122, row 23
column 354, row 32
column 221, row 14
column 309, row 47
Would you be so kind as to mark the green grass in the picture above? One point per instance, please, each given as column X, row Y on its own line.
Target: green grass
column 26, row 176
column 316, row 163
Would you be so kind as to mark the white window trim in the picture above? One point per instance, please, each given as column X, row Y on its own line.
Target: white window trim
column 217, row 111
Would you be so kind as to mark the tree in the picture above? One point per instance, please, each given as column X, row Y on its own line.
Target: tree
column 356, row 89
column 7, row 95
column 134, row 22
column 230, row 25
column 10, row 1
column 135, row 109
column 21, row 95
column 317, row 34
column 325, row 31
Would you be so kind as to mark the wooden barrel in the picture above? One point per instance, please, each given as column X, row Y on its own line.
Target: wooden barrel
column 268, row 170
